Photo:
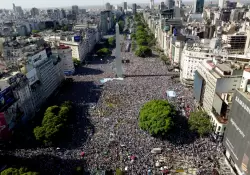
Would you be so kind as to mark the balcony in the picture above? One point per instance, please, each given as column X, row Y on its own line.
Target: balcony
column 222, row 119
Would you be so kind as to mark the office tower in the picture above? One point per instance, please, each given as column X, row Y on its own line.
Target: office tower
column 34, row 12
column 118, row 60
column 221, row 3
column 125, row 6
column 177, row 3
column 75, row 9
column 63, row 13
column 14, row 7
column 162, row 6
column 19, row 11
column 169, row 4
column 198, row 6
column 134, row 8
column 108, row 6
column 151, row 5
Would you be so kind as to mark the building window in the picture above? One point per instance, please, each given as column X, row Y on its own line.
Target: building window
column 219, row 128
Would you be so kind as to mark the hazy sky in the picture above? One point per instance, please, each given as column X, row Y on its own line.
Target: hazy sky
column 61, row 3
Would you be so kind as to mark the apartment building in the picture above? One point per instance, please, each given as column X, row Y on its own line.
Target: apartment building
column 65, row 54
column 45, row 74
column 214, row 85
column 236, row 43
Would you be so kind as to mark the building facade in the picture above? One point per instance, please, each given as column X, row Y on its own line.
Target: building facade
column 198, row 6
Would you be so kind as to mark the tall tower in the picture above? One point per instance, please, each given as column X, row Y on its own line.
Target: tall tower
column 14, row 7
column 151, row 5
column 221, row 3
column 198, row 6
column 118, row 61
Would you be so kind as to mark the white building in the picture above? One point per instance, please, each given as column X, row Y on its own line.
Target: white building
column 65, row 54
column 192, row 55
column 214, row 85
column 45, row 74
column 221, row 4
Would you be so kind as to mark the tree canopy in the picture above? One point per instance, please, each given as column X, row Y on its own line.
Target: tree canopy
column 143, row 51
column 156, row 117
column 20, row 171
column 53, row 124
column 111, row 41
column 103, row 52
column 121, row 25
column 199, row 122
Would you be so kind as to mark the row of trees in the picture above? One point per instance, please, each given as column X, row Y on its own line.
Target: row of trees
column 157, row 117
column 54, row 123
column 144, row 38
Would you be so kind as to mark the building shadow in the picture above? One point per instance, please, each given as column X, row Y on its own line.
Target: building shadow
column 79, row 129
column 81, row 70
column 45, row 164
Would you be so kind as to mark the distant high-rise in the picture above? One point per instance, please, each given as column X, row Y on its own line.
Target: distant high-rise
column 162, row 6
column 125, row 6
column 221, row 3
column 169, row 4
column 63, row 13
column 151, row 5
column 75, row 9
column 34, row 12
column 198, row 6
column 14, row 7
column 19, row 11
column 108, row 6
column 134, row 8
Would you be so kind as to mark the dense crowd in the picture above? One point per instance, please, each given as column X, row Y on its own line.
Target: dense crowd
column 113, row 139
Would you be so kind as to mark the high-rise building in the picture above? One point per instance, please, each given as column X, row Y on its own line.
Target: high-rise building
column 169, row 4
column 151, row 5
column 14, row 7
column 221, row 3
column 108, row 6
column 75, row 9
column 34, row 12
column 63, row 13
column 134, row 8
column 19, row 11
column 125, row 6
column 162, row 6
column 198, row 6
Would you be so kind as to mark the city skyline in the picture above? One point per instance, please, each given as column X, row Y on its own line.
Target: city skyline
column 63, row 3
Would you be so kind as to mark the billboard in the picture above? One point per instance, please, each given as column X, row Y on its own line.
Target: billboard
column 198, row 81
column 6, row 98
column 32, row 76
column 237, row 137
column 77, row 38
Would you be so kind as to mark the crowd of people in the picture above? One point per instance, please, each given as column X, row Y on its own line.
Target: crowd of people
column 113, row 138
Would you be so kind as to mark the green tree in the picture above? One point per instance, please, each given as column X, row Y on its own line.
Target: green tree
column 199, row 121
column 143, row 51
column 103, row 52
column 15, row 171
column 35, row 31
column 142, row 42
column 156, row 117
column 53, row 124
column 121, row 25
column 133, row 45
column 133, row 36
column 111, row 41
column 76, row 62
